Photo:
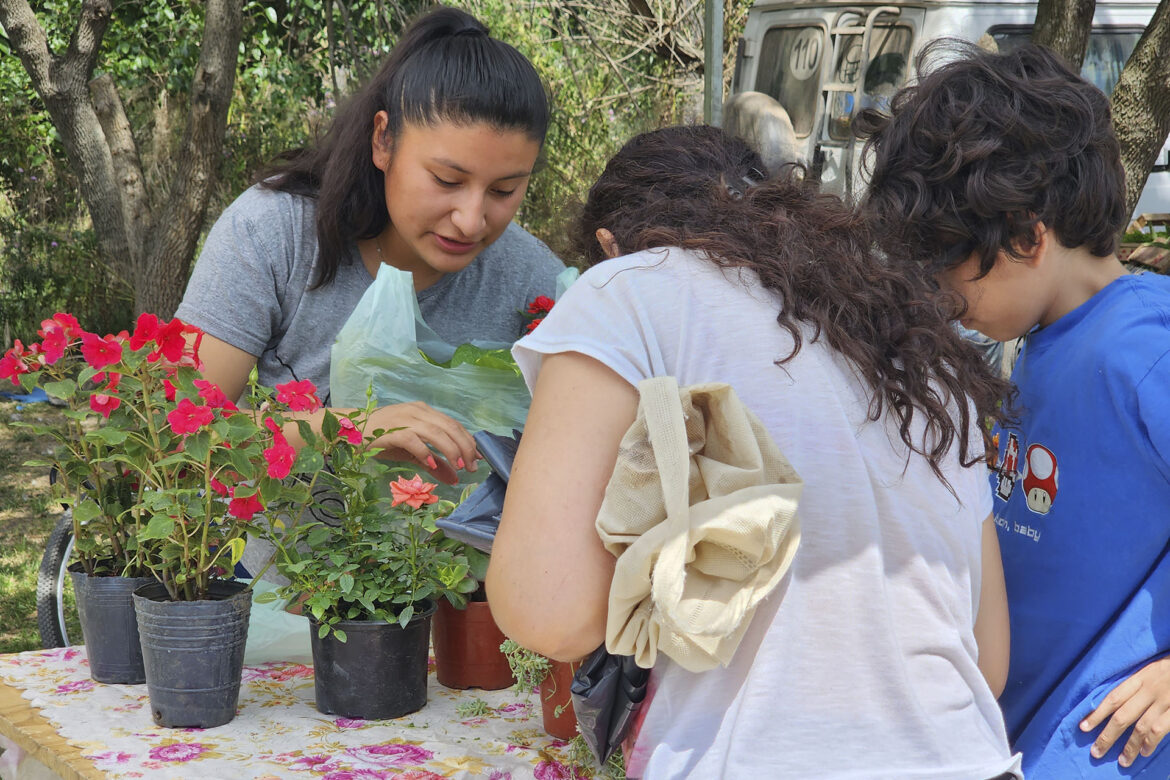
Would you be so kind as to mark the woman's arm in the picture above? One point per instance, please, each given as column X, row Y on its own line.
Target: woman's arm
column 419, row 427
column 549, row 577
column 992, row 628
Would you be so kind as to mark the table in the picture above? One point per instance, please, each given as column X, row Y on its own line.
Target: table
column 81, row 729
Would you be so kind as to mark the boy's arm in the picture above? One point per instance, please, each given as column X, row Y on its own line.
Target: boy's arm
column 1143, row 701
column 992, row 629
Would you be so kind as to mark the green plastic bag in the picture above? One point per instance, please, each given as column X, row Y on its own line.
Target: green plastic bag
column 386, row 345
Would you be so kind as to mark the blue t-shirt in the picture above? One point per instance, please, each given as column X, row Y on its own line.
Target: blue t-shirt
column 1083, row 509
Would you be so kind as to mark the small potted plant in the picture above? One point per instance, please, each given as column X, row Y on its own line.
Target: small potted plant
column 164, row 476
column 552, row 679
column 368, row 567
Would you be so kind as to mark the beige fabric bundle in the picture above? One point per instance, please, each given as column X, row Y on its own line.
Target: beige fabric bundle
column 701, row 515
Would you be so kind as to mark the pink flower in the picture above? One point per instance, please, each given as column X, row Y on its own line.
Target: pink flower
column 172, row 341
column 349, row 431
column 350, row 723
column 187, row 418
column 75, row 687
column 103, row 404
column 280, row 456
column 357, row 774
column 245, row 507
column 111, row 757
column 180, row 751
column 13, row 363
column 218, row 487
column 100, row 352
column 414, row 493
column 316, row 762
column 554, row 770
column 391, row 754
column 169, row 390
column 215, row 398
column 299, row 396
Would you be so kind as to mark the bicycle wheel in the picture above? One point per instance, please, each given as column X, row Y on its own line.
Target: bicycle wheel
column 53, row 615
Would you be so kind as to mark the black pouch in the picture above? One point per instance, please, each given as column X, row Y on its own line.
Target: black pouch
column 476, row 520
column 607, row 693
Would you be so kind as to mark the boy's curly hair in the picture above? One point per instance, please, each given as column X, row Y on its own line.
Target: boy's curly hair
column 701, row 189
column 983, row 148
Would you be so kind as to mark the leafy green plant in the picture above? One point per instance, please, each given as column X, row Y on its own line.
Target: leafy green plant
column 362, row 554
column 164, row 474
column 476, row 708
column 528, row 667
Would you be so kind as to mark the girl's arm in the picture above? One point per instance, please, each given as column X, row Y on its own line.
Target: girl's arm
column 419, row 427
column 992, row 629
column 549, row 575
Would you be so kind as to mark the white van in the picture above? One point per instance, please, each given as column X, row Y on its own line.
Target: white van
column 823, row 60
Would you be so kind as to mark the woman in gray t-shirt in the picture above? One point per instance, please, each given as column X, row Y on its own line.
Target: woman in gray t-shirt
column 423, row 169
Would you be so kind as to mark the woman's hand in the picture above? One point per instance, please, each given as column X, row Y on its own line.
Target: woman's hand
column 414, row 430
column 1143, row 699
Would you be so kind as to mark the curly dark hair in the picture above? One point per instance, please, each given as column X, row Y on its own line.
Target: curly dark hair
column 983, row 148
column 701, row 189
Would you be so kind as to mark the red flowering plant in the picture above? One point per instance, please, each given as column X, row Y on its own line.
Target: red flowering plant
column 369, row 548
column 164, row 474
column 537, row 310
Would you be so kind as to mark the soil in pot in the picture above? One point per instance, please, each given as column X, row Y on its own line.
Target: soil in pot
column 378, row 672
column 105, row 606
column 193, row 652
column 556, row 703
column 467, row 648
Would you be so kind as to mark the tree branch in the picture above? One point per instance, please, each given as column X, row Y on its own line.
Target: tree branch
column 123, row 152
column 81, row 56
column 1063, row 26
column 28, row 41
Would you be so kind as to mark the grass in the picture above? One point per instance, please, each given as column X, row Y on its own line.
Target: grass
column 27, row 516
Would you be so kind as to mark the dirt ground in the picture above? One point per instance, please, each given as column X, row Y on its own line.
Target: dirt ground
column 26, row 517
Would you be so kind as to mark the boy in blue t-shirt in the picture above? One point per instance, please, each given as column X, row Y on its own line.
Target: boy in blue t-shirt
column 1000, row 175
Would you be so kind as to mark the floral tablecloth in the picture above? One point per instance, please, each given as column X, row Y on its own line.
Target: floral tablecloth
column 277, row 733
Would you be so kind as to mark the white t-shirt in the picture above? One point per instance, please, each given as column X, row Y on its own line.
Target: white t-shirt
column 862, row 664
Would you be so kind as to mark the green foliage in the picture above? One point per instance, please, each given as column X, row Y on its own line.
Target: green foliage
column 476, row 708
column 529, row 668
column 355, row 553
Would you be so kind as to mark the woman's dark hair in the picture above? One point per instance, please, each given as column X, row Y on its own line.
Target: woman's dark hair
column 445, row 68
column 701, row 189
column 983, row 148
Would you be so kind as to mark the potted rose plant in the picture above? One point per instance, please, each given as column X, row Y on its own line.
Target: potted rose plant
column 368, row 569
column 164, row 476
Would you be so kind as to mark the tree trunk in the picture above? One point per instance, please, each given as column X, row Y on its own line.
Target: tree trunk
column 176, row 226
column 124, row 154
column 1141, row 104
column 61, row 81
column 1063, row 26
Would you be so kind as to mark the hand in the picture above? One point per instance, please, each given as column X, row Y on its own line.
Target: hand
column 1143, row 698
column 421, row 428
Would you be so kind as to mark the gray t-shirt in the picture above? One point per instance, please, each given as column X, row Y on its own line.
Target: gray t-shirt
column 250, row 288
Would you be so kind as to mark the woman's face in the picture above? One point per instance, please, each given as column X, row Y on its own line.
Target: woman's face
column 451, row 190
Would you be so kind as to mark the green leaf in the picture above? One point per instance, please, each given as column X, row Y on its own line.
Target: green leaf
column 265, row 598
column 107, row 435
column 346, row 582
column 198, row 445
column 159, row 527
column 270, row 12
column 309, row 461
column 337, row 632
column 65, row 389
column 237, row 549
column 85, row 511
column 329, row 426
column 405, row 615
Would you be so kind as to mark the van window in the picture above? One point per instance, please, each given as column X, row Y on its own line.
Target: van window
column 1109, row 48
column 790, row 71
column 889, row 50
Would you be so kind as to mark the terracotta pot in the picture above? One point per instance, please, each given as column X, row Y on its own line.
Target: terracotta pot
column 467, row 648
column 554, row 694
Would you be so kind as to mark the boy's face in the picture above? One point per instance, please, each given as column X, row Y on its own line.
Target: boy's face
column 1009, row 301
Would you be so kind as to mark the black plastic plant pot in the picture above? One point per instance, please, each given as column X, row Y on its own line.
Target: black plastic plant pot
column 379, row 672
column 193, row 652
column 105, row 607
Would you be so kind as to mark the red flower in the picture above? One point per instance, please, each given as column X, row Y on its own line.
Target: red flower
column 349, row 431
column 55, row 338
column 145, row 330
column 532, row 325
column 63, row 321
column 187, row 417
column 245, row 508
column 13, row 364
column 413, row 493
column 100, row 352
column 219, row 488
column 169, row 390
column 541, row 304
column 103, row 403
column 280, row 456
column 299, row 396
column 215, row 398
